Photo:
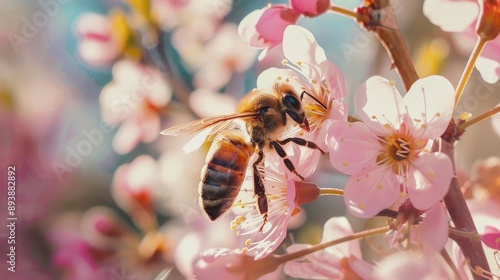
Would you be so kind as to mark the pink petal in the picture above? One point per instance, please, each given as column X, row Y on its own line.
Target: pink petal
column 304, row 159
column 335, row 79
column 379, row 104
column 216, row 267
column 335, row 228
column 371, row 191
column 269, row 77
column 434, row 228
column 314, row 266
column 127, row 137
column 318, row 265
column 491, row 230
column 450, row 15
column 92, row 23
column 352, row 146
column 274, row 21
column 299, row 45
column 98, row 53
column 429, row 103
column 409, row 266
column 429, row 179
column 248, row 32
column 489, row 68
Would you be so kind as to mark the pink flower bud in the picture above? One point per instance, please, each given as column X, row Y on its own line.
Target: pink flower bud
column 273, row 22
column 491, row 237
column 310, row 8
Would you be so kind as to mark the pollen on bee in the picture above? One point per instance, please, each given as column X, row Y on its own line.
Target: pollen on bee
column 248, row 242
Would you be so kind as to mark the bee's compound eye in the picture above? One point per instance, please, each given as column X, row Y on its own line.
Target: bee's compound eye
column 291, row 101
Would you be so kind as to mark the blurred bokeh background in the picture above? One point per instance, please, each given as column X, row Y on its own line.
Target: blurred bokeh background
column 53, row 124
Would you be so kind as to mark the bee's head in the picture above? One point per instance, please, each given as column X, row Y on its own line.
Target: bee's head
column 293, row 107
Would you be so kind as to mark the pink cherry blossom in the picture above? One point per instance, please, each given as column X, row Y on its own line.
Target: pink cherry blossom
column 387, row 153
column 134, row 185
column 134, row 100
column 102, row 228
column 310, row 8
column 98, row 45
column 461, row 16
column 264, row 28
column 331, row 263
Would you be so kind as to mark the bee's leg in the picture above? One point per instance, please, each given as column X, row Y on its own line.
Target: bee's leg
column 302, row 142
column 259, row 188
column 285, row 158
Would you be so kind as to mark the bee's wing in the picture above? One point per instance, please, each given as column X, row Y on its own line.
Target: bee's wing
column 205, row 135
column 206, row 127
column 198, row 125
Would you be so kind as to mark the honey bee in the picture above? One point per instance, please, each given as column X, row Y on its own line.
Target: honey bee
column 257, row 126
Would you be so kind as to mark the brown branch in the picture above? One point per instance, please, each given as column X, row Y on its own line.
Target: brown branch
column 462, row 219
column 378, row 17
